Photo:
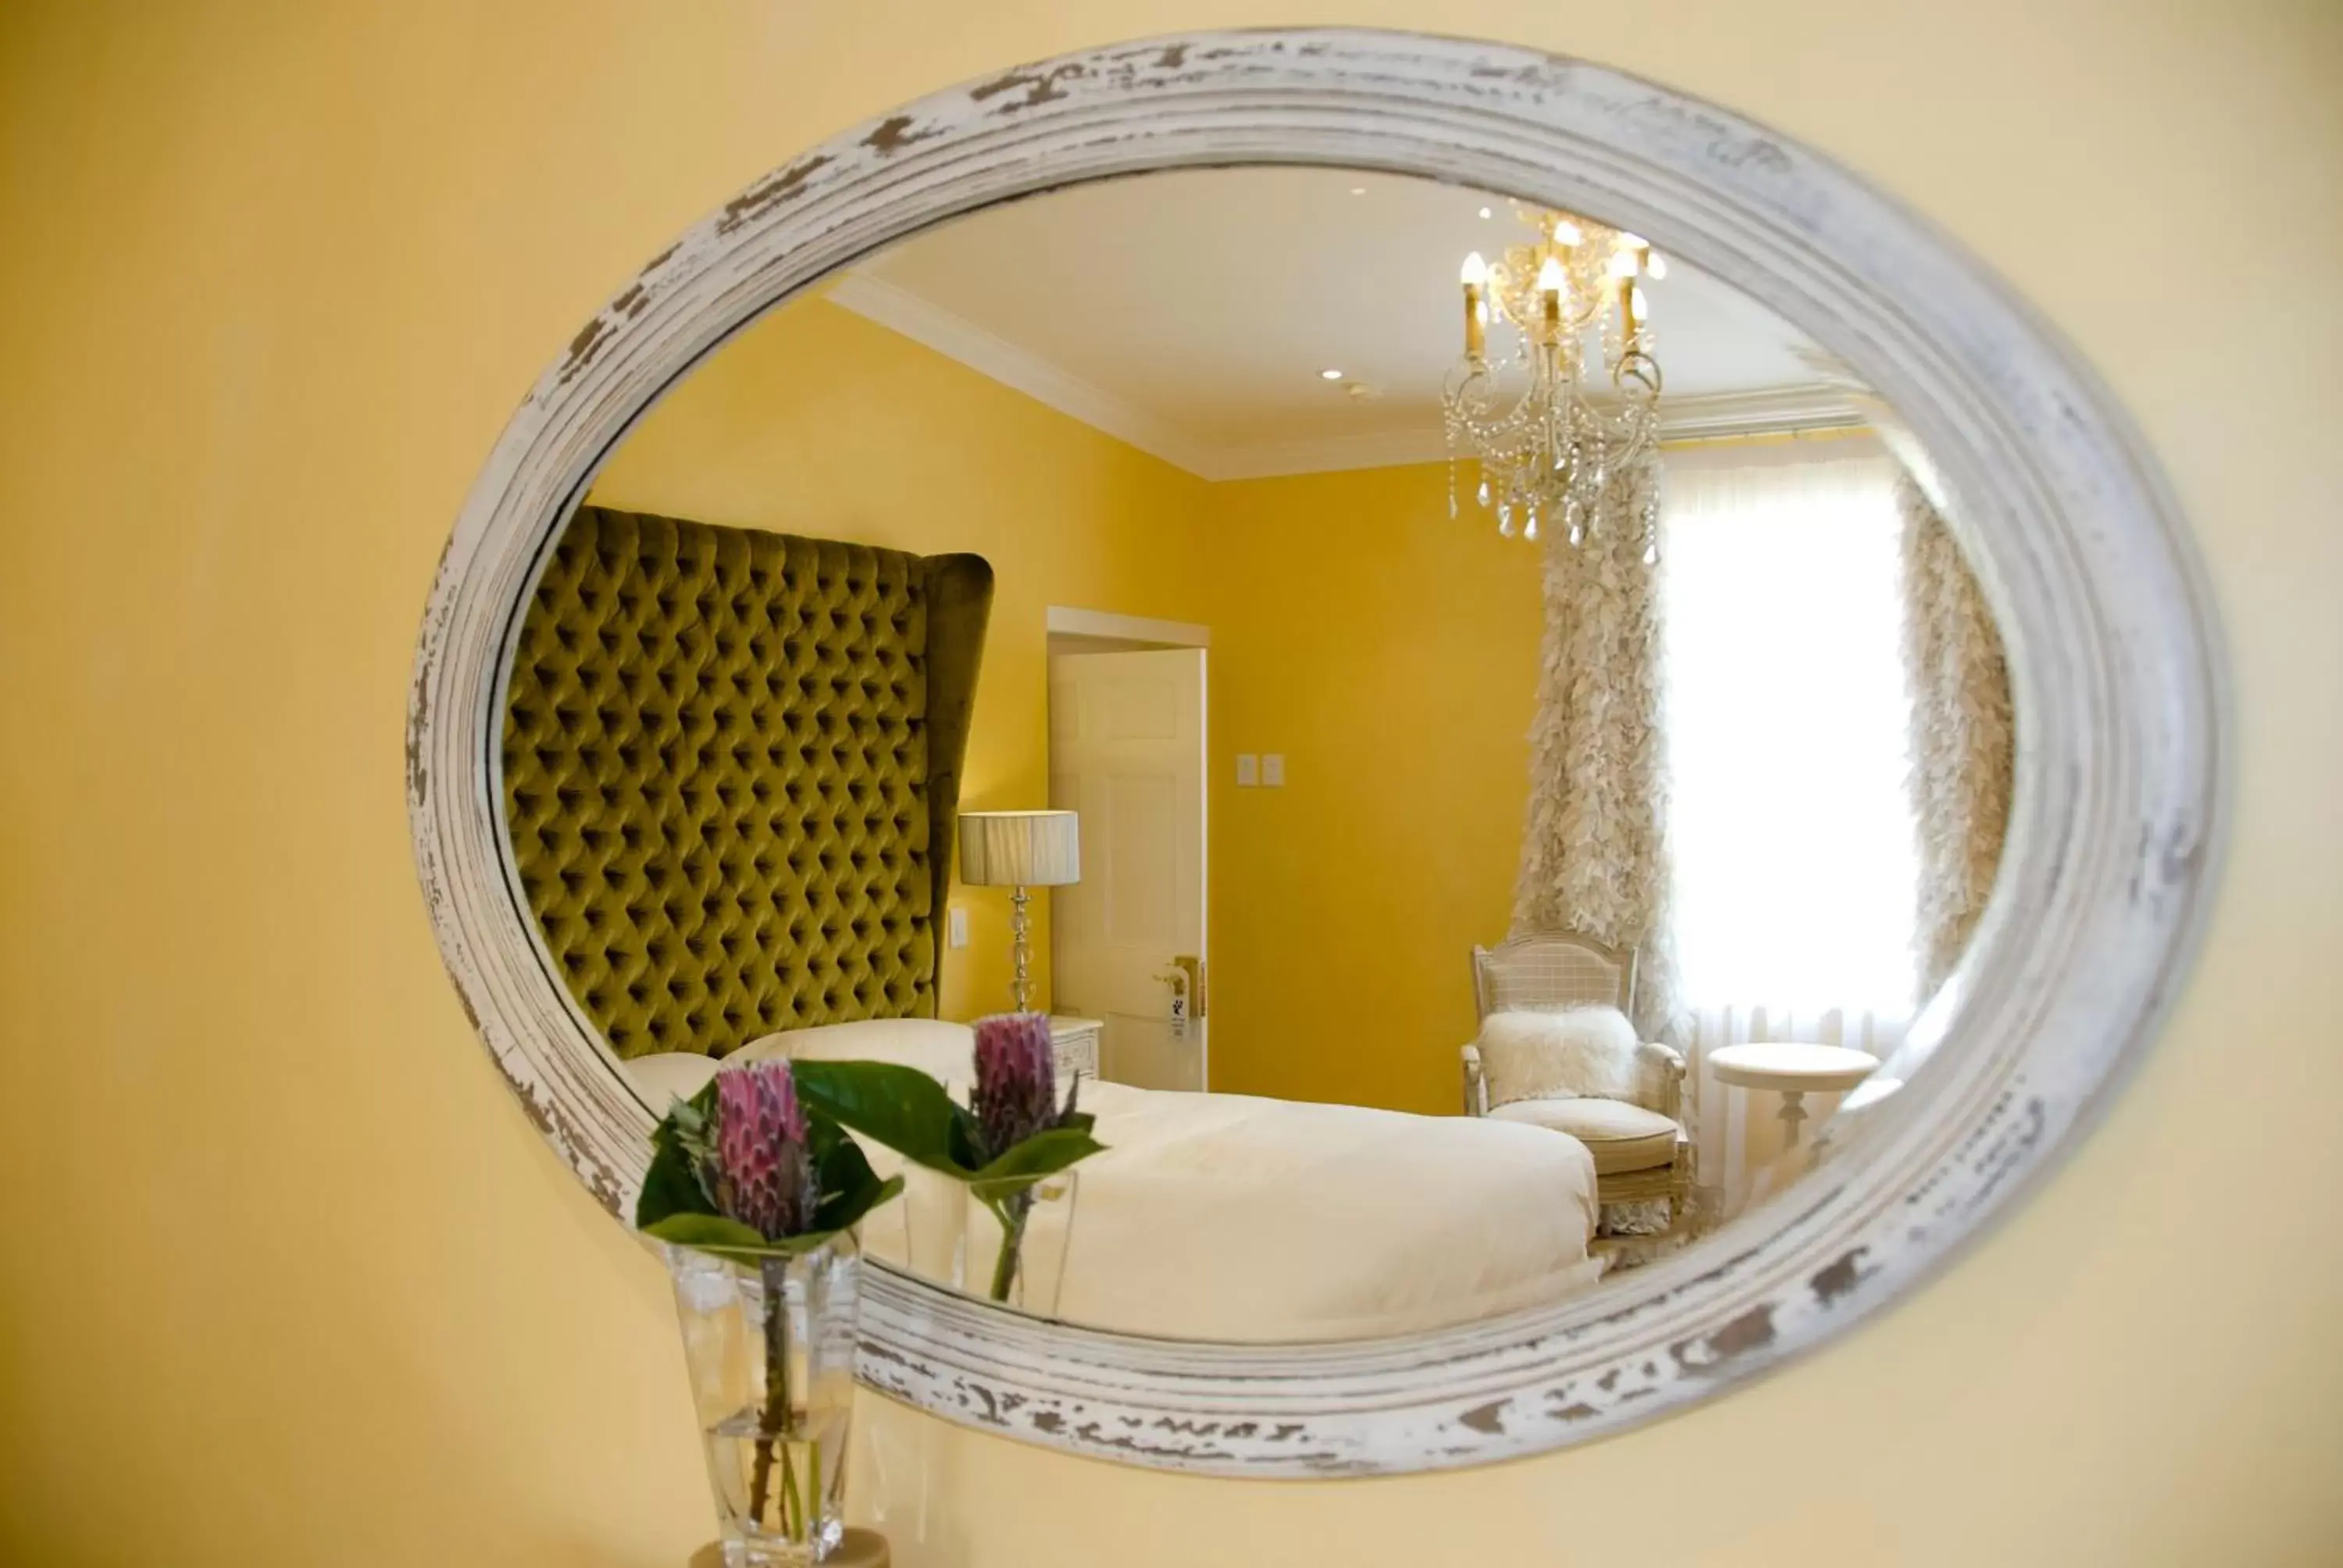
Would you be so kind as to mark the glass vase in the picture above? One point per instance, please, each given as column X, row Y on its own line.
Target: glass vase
column 954, row 1233
column 770, row 1347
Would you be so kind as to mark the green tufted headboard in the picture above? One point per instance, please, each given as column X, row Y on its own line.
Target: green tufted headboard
column 732, row 769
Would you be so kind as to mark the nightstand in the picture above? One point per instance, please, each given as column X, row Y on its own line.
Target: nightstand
column 1074, row 1043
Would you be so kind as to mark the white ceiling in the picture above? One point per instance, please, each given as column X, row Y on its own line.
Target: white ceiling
column 1191, row 313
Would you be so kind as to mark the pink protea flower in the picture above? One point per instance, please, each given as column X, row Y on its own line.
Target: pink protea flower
column 764, row 1171
column 1016, row 1079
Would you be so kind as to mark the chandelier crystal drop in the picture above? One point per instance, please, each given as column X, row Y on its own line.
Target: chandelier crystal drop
column 1575, row 398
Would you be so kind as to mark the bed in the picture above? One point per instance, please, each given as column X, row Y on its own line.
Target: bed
column 1230, row 1217
column 729, row 772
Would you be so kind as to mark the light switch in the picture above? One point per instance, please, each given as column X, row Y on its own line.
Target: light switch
column 1248, row 769
column 1273, row 769
column 956, row 926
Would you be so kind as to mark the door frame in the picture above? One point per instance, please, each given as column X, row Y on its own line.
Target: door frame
column 1073, row 631
column 1128, row 633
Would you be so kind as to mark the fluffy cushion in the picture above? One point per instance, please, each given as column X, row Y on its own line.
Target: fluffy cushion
column 1621, row 1138
column 1530, row 1054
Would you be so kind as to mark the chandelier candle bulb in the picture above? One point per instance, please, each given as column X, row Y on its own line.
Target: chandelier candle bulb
column 1475, row 276
column 1551, row 283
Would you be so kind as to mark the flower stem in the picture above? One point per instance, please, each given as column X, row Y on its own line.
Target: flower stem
column 809, row 1511
column 1012, row 1211
column 773, row 1425
column 793, row 1515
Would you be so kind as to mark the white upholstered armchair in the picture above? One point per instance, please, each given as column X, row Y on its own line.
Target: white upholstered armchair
column 1633, row 1125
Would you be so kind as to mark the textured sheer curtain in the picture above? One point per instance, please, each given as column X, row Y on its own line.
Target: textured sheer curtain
column 1964, row 755
column 1790, row 821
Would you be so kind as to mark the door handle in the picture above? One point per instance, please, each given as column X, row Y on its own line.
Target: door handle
column 1183, row 1002
column 1191, row 969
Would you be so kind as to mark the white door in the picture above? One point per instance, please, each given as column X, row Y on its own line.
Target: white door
column 1127, row 753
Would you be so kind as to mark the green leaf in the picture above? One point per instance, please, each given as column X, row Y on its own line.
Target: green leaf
column 731, row 1240
column 899, row 1107
column 1044, row 1154
column 671, row 1185
column 850, row 1188
column 790, row 1246
column 708, row 1232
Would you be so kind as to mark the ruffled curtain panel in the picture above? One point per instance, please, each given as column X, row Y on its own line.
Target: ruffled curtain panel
column 1593, row 846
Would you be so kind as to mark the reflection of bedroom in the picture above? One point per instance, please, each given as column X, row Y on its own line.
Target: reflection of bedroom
column 1202, row 411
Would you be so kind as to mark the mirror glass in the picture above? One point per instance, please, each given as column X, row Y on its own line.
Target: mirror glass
column 1476, row 735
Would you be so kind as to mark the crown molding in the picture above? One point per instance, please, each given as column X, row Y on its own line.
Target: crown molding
column 956, row 338
column 1770, row 411
column 1329, row 453
column 1774, row 410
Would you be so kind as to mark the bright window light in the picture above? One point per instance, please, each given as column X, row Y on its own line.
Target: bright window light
column 1795, row 867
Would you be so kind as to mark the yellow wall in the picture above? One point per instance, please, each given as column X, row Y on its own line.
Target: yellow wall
column 815, row 421
column 1390, row 656
column 290, row 1282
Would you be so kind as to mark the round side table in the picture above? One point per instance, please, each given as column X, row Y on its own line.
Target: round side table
column 1793, row 1070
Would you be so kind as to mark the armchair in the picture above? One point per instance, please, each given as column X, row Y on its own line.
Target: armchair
column 1641, row 1153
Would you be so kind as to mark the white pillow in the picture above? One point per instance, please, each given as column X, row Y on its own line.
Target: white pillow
column 669, row 1075
column 1558, row 1054
column 942, row 1050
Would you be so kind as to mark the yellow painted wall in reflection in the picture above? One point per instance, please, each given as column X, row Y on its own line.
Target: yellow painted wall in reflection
column 1391, row 656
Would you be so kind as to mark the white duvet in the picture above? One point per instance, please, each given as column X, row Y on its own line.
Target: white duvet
column 1223, row 1216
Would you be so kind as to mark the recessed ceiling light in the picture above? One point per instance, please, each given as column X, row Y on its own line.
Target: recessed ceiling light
column 1484, row 212
column 1329, row 376
column 1358, row 190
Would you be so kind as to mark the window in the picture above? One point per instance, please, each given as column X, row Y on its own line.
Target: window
column 1794, row 863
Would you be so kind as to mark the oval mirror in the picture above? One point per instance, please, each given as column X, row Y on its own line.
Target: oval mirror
column 1589, row 758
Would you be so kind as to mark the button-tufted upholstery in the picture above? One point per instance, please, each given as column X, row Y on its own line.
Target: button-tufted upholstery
column 731, row 767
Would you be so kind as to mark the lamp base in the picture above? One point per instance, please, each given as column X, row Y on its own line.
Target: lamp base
column 1021, row 949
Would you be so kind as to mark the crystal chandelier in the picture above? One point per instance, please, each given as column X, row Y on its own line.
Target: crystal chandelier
column 1546, row 440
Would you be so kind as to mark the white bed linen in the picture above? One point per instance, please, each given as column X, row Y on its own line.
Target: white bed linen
column 1223, row 1216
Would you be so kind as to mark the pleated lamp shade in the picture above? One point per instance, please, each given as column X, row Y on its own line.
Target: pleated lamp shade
column 1020, row 849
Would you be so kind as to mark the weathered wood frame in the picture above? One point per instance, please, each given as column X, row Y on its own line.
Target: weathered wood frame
column 2120, row 705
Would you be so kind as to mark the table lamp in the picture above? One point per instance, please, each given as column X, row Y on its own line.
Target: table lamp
column 1016, row 850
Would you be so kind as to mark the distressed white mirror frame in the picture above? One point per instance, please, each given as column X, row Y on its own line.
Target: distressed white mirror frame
column 2120, row 700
